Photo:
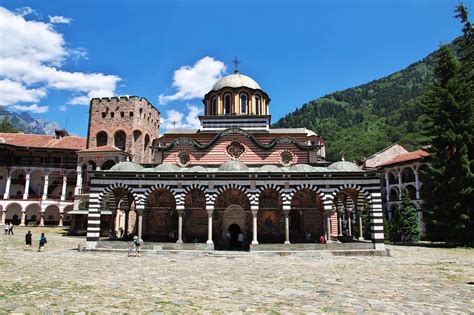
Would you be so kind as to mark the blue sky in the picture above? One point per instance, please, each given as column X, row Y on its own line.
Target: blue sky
column 55, row 55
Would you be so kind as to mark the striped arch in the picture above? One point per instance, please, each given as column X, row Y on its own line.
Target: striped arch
column 148, row 192
column 311, row 187
column 221, row 189
column 180, row 197
column 359, row 188
column 110, row 189
column 279, row 189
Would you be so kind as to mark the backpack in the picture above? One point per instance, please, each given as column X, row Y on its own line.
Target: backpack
column 136, row 242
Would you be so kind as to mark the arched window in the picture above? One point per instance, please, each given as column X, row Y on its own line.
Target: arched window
column 213, row 109
column 107, row 165
column 258, row 104
column 244, row 103
column 101, row 138
column 227, row 104
column 147, row 142
column 120, row 139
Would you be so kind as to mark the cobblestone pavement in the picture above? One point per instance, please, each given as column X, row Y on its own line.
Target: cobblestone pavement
column 413, row 279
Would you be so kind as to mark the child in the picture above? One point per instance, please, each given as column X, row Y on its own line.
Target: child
column 42, row 241
column 137, row 244
column 130, row 249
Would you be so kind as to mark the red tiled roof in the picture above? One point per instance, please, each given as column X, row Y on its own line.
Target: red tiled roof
column 410, row 156
column 104, row 148
column 43, row 141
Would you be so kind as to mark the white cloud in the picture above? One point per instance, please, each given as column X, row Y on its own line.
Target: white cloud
column 32, row 108
column 31, row 57
column 58, row 19
column 174, row 118
column 13, row 92
column 195, row 81
column 62, row 108
column 26, row 11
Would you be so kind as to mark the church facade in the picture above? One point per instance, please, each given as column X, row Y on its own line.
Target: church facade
column 234, row 182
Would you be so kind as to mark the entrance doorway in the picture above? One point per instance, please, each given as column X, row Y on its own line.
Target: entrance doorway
column 235, row 242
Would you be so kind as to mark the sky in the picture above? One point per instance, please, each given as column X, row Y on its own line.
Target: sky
column 56, row 55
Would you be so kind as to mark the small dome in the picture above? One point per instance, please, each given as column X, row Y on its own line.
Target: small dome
column 126, row 167
column 303, row 168
column 166, row 167
column 344, row 166
column 236, row 80
column 196, row 169
column 269, row 169
column 233, row 166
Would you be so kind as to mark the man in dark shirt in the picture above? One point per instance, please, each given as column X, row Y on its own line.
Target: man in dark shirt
column 28, row 238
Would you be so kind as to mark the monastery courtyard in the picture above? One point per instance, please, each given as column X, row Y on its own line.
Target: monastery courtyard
column 413, row 279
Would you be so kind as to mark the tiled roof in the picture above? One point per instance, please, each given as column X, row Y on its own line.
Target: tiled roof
column 42, row 141
column 105, row 148
column 410, row 156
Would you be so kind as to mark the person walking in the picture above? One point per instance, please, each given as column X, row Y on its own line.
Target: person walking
column 10, row 229
column 28, row 240
column 42, row 241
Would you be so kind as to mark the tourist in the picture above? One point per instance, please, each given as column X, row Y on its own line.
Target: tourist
column 307, row 237
column 42, row 241
column 6, row 228
column 240, row 239
column 322, row 239
column 130, row 249
column 137, row 243
column 10, row 229
column 28, row 240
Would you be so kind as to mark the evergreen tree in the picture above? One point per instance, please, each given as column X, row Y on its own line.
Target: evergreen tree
column 449, row 108
column 6, row 126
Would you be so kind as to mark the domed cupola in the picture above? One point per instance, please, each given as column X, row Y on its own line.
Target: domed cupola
column 238, row 101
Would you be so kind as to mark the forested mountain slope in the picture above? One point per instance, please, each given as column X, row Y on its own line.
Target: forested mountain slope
column 362, row 120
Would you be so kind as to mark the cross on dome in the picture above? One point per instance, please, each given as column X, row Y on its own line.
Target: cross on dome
column 236, row 63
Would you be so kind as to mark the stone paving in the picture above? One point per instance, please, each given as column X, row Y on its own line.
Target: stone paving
column 412, row 280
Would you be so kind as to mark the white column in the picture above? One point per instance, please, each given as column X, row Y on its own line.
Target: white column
column 286, row 212
column 63, row 190
column 140, row 224
column 4, row 214
column 45, row 187
column 328, row 226
column 349, row 222
column 254, row 221
column 210, row 210
column 400, row 185
column 417, row 183
column 6, row 195
column 180, row 226
column 61, row 216
column 41, row 217
column 361, row 231
column 387, row 186
column 78, row 188
column 23, row 217
column 27, row 186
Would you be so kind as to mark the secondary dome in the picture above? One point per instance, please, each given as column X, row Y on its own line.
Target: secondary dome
column 269, row 169
column 126, row 167
column 233, row 166
column 166, row 167
column 236, row 80
column 344, row 166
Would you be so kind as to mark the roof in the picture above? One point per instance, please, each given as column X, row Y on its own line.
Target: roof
column 410, row 156
column 43, row 141
column 271, row 131
column 105, row 148
column 126, row 167
column 344, row 166
column 236, row 80
column 383, row 156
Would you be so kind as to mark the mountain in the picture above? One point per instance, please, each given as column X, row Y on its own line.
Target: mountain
column 362, row 120
column 27, row 124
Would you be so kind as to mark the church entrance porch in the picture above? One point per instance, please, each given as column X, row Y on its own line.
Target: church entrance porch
column 234, row 236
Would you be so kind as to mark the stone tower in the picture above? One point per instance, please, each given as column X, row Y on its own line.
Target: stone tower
column 130, row 124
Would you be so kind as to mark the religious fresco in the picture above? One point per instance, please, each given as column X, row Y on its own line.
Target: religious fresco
column 232, row 196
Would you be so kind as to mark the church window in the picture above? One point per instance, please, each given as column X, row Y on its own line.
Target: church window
column 120, row 139
column 131, row 114
column 147, row 142
column 286, row 158
column 183, row 158
column 235, row 149
column 101, row 138
column 258, row 103
column 213, row 109
column 112, row 114
column 227, row 104
column 244, row 100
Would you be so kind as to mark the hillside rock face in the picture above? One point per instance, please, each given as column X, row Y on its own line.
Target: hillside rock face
column 27, row 124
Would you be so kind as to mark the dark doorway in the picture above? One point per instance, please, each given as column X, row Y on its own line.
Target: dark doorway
column 234, row 242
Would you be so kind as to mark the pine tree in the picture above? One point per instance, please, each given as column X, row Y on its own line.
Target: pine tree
column 449, row 108
column 6, row 126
